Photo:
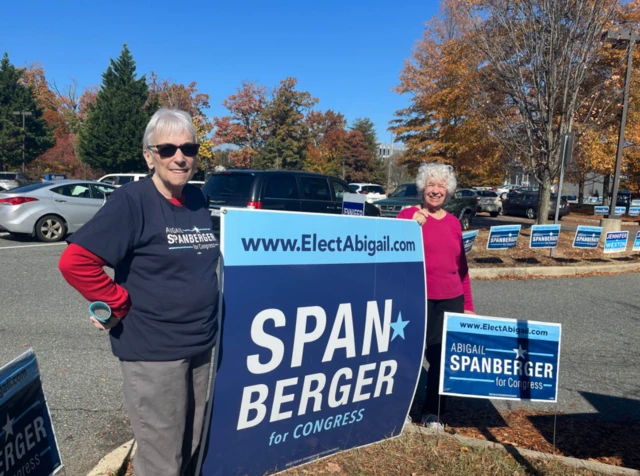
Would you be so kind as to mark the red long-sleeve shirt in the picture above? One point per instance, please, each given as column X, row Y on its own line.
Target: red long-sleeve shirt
column 445, row 261
column 84, row 270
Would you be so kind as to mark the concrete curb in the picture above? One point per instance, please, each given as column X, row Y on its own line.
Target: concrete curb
column 551, row 271
column 114, row 461
column 571, row 462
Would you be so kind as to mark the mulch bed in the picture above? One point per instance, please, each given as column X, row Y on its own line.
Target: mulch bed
column 583, row 436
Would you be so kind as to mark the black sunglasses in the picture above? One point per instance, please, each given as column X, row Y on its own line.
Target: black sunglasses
column 169, row 150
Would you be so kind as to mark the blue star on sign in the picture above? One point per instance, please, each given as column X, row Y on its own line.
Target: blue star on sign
column 398, row 327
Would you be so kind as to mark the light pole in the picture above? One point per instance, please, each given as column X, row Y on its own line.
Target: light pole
column 24, row 114
column 620, row 39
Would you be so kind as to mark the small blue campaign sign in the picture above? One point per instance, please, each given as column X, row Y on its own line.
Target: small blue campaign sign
column 620, row 210
column 468, row 239
column 616, row 241
column 544, row 236
column 634, row 211
column 503, row 237
column 635, row 203
column 322, row 352
column 353, row 204
column 600, row 210
column 636, row 243
column 505, row 359
column 587, row 236
column 27, row 442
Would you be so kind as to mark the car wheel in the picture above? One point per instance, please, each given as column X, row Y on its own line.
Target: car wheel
column 494, row 214
column 531, row 213
column 503, row 195
column 465, row 221
column 51, row 228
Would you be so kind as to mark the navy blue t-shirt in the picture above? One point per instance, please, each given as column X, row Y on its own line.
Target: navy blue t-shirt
column 166, row 257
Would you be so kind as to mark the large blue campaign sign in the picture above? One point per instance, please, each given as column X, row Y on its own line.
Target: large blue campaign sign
column 544, row 236
column 616, row 241
column 503, row 237
column 634, row 211
column 27, row 442
column 468, row 238
column 505, row 359
column 322, row 337
column 587, row 236
column 636, row 243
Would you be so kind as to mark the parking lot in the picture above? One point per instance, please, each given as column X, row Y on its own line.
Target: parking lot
column 82, row 381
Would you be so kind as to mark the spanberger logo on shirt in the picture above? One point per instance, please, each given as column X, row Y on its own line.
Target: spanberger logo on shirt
column 191, row 238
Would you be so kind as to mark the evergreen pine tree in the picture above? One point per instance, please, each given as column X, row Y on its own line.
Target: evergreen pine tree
column 15, row 97
column 286, row 129
column 111, row 139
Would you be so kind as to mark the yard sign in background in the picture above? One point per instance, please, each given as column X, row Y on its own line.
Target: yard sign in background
column 587, row 236
column 503, row 237
column 506, row 359
column 322, row 353
column 616, row 241
column 468, row 239
column 353, row 204
column 544, row 236
column 27, row 442
column 636, row 242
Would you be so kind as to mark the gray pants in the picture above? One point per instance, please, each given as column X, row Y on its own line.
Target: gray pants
column 166, row 403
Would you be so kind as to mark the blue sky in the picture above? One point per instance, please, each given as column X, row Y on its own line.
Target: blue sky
column 346, row 54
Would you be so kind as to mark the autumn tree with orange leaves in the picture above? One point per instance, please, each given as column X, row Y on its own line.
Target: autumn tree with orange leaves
column 445, row 120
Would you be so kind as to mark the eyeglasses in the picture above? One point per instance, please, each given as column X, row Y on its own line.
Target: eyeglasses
column 169, row 150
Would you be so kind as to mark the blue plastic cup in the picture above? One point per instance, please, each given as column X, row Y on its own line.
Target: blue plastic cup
column 99, row 306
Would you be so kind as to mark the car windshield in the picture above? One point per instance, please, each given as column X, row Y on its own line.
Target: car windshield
column 407, row 190
column 229, row 186
column 484, row 193
column 30, row 188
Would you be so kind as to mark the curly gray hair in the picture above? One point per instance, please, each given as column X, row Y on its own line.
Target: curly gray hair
column 438, row 172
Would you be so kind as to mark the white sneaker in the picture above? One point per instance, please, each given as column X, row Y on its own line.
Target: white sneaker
column 430, row 421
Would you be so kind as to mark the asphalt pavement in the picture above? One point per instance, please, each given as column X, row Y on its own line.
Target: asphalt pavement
column 599, row 371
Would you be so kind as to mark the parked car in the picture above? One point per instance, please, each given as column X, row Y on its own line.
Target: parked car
column 285, row 190
column 489, row 202
column 51, row 210
column 371, row 190
column 10, row 180
column 503, row 190
column 120, row 179
column 407, row 195
column 526, row 204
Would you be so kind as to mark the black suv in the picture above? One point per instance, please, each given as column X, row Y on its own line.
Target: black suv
column 286, row 190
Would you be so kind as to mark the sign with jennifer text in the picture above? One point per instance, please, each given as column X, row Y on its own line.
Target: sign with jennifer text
column 636, row 242
column 505, row 359
column 27, row 442
column 353, row 204
column 326, row 353
column 616, row 241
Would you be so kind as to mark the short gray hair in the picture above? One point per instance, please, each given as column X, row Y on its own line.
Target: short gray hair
column 439, row 172
column 168, row 121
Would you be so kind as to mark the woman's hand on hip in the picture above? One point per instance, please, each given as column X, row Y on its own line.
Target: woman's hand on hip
column 420, row 216
column 111, row 323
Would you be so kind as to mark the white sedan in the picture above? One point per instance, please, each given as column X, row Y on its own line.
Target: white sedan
column 50, row 210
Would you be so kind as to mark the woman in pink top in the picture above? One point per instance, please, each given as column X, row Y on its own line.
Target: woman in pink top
column 447, row 274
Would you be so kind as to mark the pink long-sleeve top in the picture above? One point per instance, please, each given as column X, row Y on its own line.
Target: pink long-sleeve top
column 445, row 261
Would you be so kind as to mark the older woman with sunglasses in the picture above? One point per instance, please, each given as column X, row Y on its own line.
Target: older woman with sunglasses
column 156, row 235
column 448, row 286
